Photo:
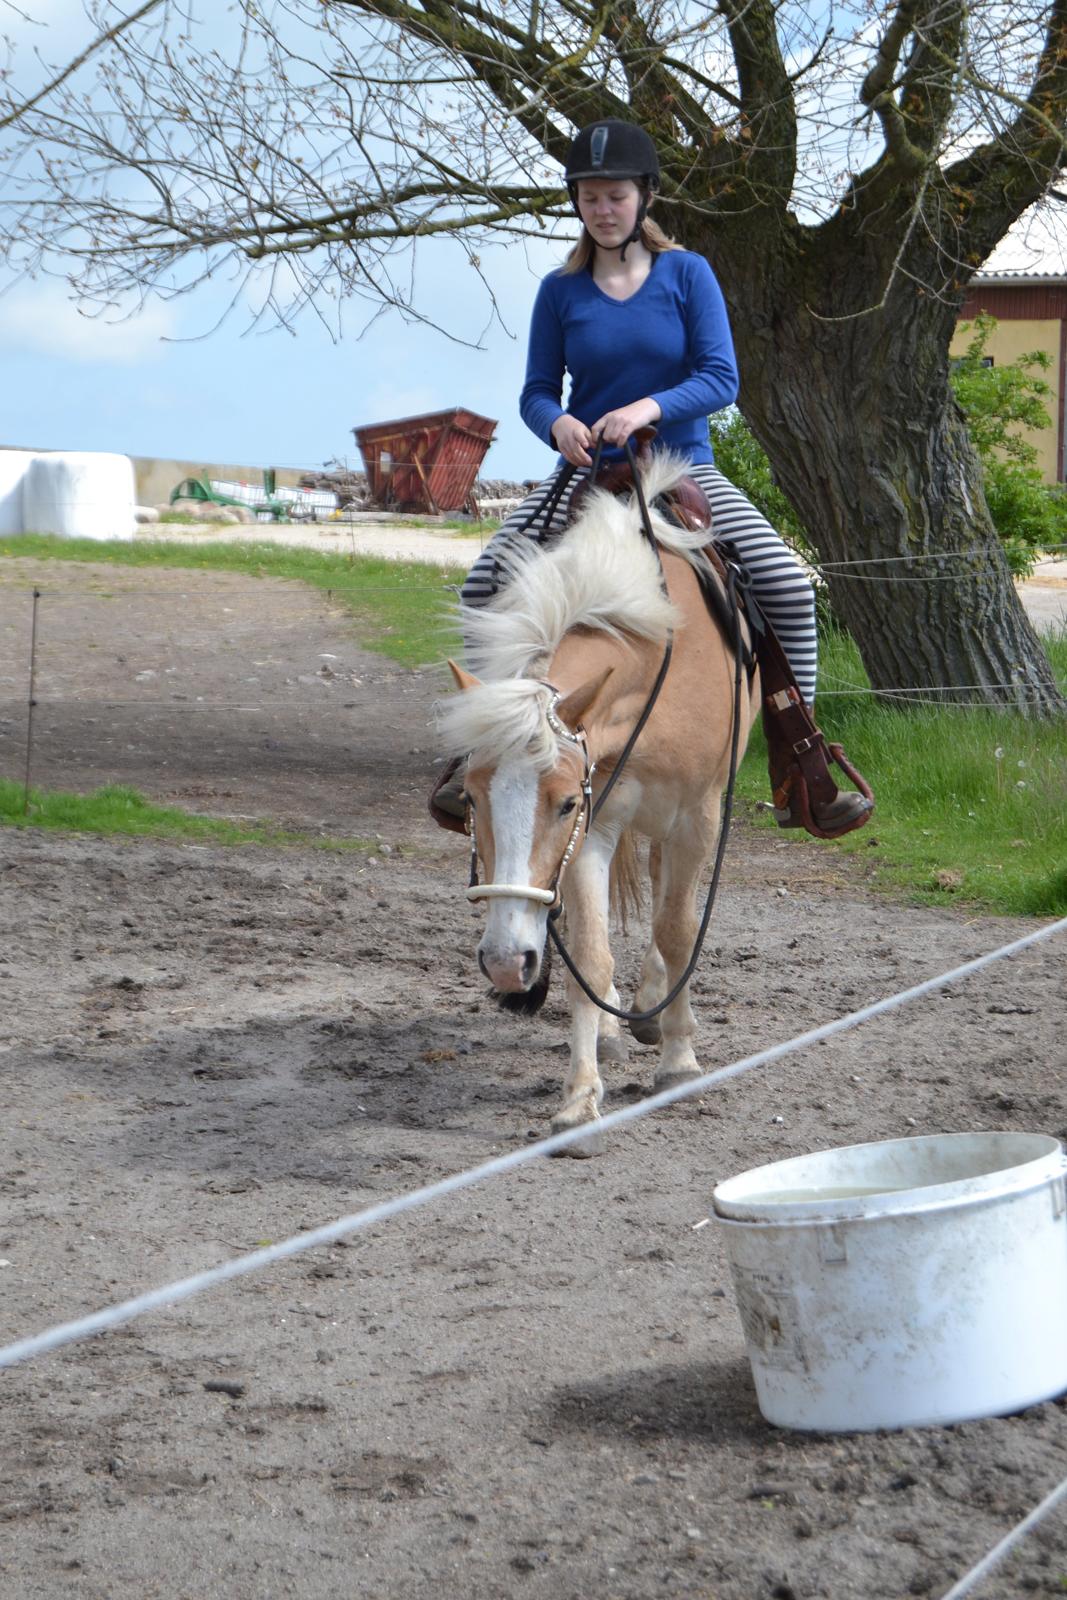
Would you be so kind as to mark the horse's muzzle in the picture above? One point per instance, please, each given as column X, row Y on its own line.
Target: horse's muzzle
column 512, row 973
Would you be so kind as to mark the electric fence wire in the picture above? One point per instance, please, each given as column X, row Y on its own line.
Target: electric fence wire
column 971, row 1579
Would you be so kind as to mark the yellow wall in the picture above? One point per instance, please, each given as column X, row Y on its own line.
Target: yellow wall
column 1009, row 341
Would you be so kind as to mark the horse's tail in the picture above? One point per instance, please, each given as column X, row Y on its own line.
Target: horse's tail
column 625, row 884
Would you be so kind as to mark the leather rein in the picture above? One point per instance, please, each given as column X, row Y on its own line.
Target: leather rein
column 588, row 810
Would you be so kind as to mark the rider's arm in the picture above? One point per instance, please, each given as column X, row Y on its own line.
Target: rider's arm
column 712, row 382
column 540, row 402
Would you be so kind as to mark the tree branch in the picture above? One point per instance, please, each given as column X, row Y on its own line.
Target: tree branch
column 929, row 88
column 769, row 126
column 996, row 183
column 902, row 157
column 109, row 36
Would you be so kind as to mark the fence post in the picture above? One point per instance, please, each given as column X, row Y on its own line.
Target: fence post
column 31, row 704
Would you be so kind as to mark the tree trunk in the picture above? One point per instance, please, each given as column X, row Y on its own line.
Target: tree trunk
column 865, row 437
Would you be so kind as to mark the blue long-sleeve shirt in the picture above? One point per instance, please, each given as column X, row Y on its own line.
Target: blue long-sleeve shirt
column 670, row 341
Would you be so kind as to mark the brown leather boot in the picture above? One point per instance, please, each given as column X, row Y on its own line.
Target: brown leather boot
column 805, row 795
column 448, row 803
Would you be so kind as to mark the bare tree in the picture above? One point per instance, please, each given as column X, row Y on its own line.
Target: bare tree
column 846, row 169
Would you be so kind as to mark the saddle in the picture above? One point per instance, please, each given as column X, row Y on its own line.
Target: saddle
column 686, row 504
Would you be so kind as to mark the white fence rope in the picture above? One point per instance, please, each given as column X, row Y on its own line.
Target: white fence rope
column 981, row 1569
column 979, row 553
column 1013, row 696
column 183, row 1289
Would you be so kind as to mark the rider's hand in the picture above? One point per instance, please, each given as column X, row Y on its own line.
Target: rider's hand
column 615, row 427
column 573, row 440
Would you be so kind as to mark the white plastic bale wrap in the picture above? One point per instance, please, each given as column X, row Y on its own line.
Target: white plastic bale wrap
column 79, row 495
column 13, row 465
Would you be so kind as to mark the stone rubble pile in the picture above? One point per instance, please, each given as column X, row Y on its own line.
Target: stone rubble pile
column 353, row 491
column 351, row 488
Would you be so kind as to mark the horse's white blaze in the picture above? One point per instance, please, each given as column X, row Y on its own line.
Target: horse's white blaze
column 513, row 925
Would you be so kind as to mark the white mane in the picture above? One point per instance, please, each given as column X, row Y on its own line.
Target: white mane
column 603, row 574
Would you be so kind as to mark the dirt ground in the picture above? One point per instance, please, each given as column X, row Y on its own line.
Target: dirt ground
column 538, row 1388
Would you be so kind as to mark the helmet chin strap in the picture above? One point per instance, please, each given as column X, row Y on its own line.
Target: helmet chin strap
column 642, row 213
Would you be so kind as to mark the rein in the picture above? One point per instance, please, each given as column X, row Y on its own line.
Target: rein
column 587, row 811
column 713, row 887
column 668, row 648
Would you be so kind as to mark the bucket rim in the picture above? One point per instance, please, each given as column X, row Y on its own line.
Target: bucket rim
column 1045, row 1165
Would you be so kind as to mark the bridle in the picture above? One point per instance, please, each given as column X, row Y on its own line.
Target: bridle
column 584, row 812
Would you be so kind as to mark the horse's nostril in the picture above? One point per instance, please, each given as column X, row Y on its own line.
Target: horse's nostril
column 529, row 966
column 485, row 969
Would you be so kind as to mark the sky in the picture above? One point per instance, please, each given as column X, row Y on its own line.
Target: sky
column 161, row 384
column 156, row 385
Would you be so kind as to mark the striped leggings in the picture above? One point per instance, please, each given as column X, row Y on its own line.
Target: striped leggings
column 781, row 587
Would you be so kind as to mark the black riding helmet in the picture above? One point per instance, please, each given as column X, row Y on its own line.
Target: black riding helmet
column 614, row 149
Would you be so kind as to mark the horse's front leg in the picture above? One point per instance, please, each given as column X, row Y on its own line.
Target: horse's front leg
column 652, row 982
column 586, row 900
column 675, row 926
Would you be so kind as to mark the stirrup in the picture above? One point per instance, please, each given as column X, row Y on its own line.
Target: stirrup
column 831, row 816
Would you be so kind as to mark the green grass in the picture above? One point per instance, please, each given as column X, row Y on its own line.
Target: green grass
column 400, row 607
column 470, row 528
column 118, row 809
column 955, row 819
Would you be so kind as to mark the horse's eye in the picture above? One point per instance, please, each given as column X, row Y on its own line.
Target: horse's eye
column 567, row 807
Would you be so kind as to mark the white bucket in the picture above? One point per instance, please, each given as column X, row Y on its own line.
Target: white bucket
column 904, row 1283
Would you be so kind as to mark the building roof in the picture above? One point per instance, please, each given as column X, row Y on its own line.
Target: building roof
column 1013, row 276
column 1033, row 252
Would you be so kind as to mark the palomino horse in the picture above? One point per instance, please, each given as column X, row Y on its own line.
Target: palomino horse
column 567, row 654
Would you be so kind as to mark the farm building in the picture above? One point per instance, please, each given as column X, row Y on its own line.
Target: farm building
column 1031, row 313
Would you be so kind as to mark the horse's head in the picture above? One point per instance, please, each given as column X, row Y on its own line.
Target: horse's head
column 528, row 783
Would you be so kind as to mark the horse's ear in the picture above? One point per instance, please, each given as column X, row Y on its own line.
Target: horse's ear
column 464, row 680
column 574, row 706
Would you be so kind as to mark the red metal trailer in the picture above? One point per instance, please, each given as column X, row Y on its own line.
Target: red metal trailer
column 426, row 463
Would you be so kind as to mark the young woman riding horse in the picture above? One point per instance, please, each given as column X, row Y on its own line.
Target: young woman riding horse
column 640, row 328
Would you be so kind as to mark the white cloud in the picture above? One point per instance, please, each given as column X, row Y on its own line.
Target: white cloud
column 40, row 318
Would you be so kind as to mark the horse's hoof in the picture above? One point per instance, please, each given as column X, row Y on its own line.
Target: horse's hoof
column 647, row 1032
column 611, row 1047
column 594, row 1144
column 670, row 1080
column 581, row 1112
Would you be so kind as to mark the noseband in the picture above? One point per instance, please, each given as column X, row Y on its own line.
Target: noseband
column 526, row 891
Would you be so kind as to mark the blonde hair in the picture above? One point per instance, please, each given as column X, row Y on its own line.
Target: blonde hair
column 652, row 237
